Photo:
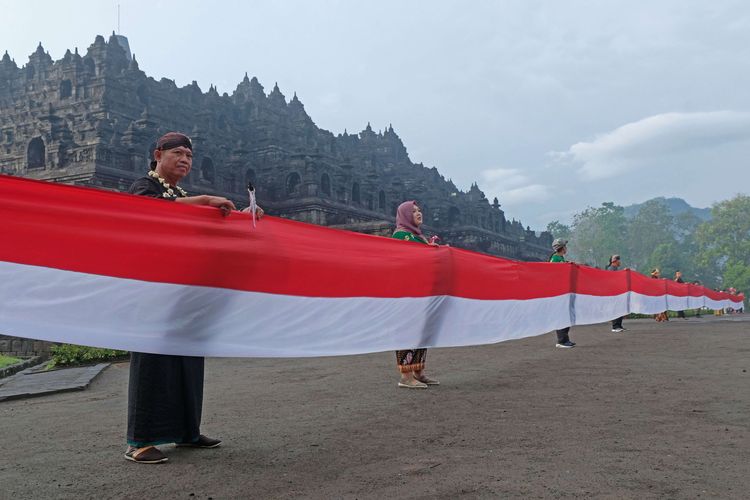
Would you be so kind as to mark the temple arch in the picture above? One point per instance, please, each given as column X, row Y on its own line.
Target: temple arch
column 89, row 66
column 207, row 169
column 66, row 89
column 292, row 183
column 36, row 153
column 325, row 184
column 454, row 216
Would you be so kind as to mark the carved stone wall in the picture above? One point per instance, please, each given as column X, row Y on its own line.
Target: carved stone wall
column 14, row 346
column 94, row 119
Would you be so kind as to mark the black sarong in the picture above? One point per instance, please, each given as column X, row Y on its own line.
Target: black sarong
column 165, row 399
column 165, row 393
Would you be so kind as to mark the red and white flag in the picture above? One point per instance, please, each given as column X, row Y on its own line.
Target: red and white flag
column 106, row 269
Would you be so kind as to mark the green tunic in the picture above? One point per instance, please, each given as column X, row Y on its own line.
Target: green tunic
column 407, row 236
column 556, row 257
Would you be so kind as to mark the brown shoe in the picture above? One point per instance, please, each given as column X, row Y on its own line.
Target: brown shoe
column 428, row 380
column 145, row 455
column 202, row 442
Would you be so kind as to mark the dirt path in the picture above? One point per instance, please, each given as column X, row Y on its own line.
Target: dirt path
column 659, row 411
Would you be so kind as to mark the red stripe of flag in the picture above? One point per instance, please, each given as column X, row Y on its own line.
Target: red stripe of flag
column 119, row 235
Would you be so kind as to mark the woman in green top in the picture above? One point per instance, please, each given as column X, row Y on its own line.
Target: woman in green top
column 560, row 247
column 411, row 362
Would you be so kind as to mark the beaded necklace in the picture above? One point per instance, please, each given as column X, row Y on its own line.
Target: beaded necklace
column 170, row 190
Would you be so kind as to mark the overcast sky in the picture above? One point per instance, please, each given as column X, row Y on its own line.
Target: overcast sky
column 549, row 105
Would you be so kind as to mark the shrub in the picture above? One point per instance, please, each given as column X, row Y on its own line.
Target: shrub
column 69, row 354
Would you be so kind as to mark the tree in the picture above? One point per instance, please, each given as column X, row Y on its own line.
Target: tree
column 668, row 258
column 558, row 230
column 651, row 228
column 737, row 275
column 727, row 234
column 598, row 233
column 716, row 252
column 685, row 225
column 723, row 243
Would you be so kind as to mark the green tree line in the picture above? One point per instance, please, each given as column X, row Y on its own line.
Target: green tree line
column 716, row 253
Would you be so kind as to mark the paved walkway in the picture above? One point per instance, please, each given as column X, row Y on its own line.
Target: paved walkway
column 660, row 411
column 31, row 382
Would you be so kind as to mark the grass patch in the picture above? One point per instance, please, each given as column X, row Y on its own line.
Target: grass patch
column 8, row 360
column 71, row 355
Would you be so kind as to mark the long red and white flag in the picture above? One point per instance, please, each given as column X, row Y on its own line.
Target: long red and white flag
column 105, row 269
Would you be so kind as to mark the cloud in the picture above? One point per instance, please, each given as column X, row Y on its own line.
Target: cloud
column 500, row 178
column 653, row 139
column 526, row 194
column 512, row 186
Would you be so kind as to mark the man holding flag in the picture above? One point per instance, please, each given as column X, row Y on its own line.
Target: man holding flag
column 165, row 393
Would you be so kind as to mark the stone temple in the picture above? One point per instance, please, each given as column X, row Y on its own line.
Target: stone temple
column 93, row 120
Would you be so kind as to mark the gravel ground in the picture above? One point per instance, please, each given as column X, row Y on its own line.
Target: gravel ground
column 659, row 411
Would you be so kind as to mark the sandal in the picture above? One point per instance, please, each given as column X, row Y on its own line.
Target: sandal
column 415, row 384
column 145, row 455
column 428, row 381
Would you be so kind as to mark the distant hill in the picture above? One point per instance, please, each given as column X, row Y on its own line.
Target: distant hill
column 676, row 206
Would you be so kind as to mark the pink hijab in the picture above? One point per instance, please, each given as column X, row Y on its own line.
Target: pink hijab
column 405, row 219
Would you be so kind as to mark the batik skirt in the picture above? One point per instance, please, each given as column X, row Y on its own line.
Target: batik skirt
column 411, row 360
